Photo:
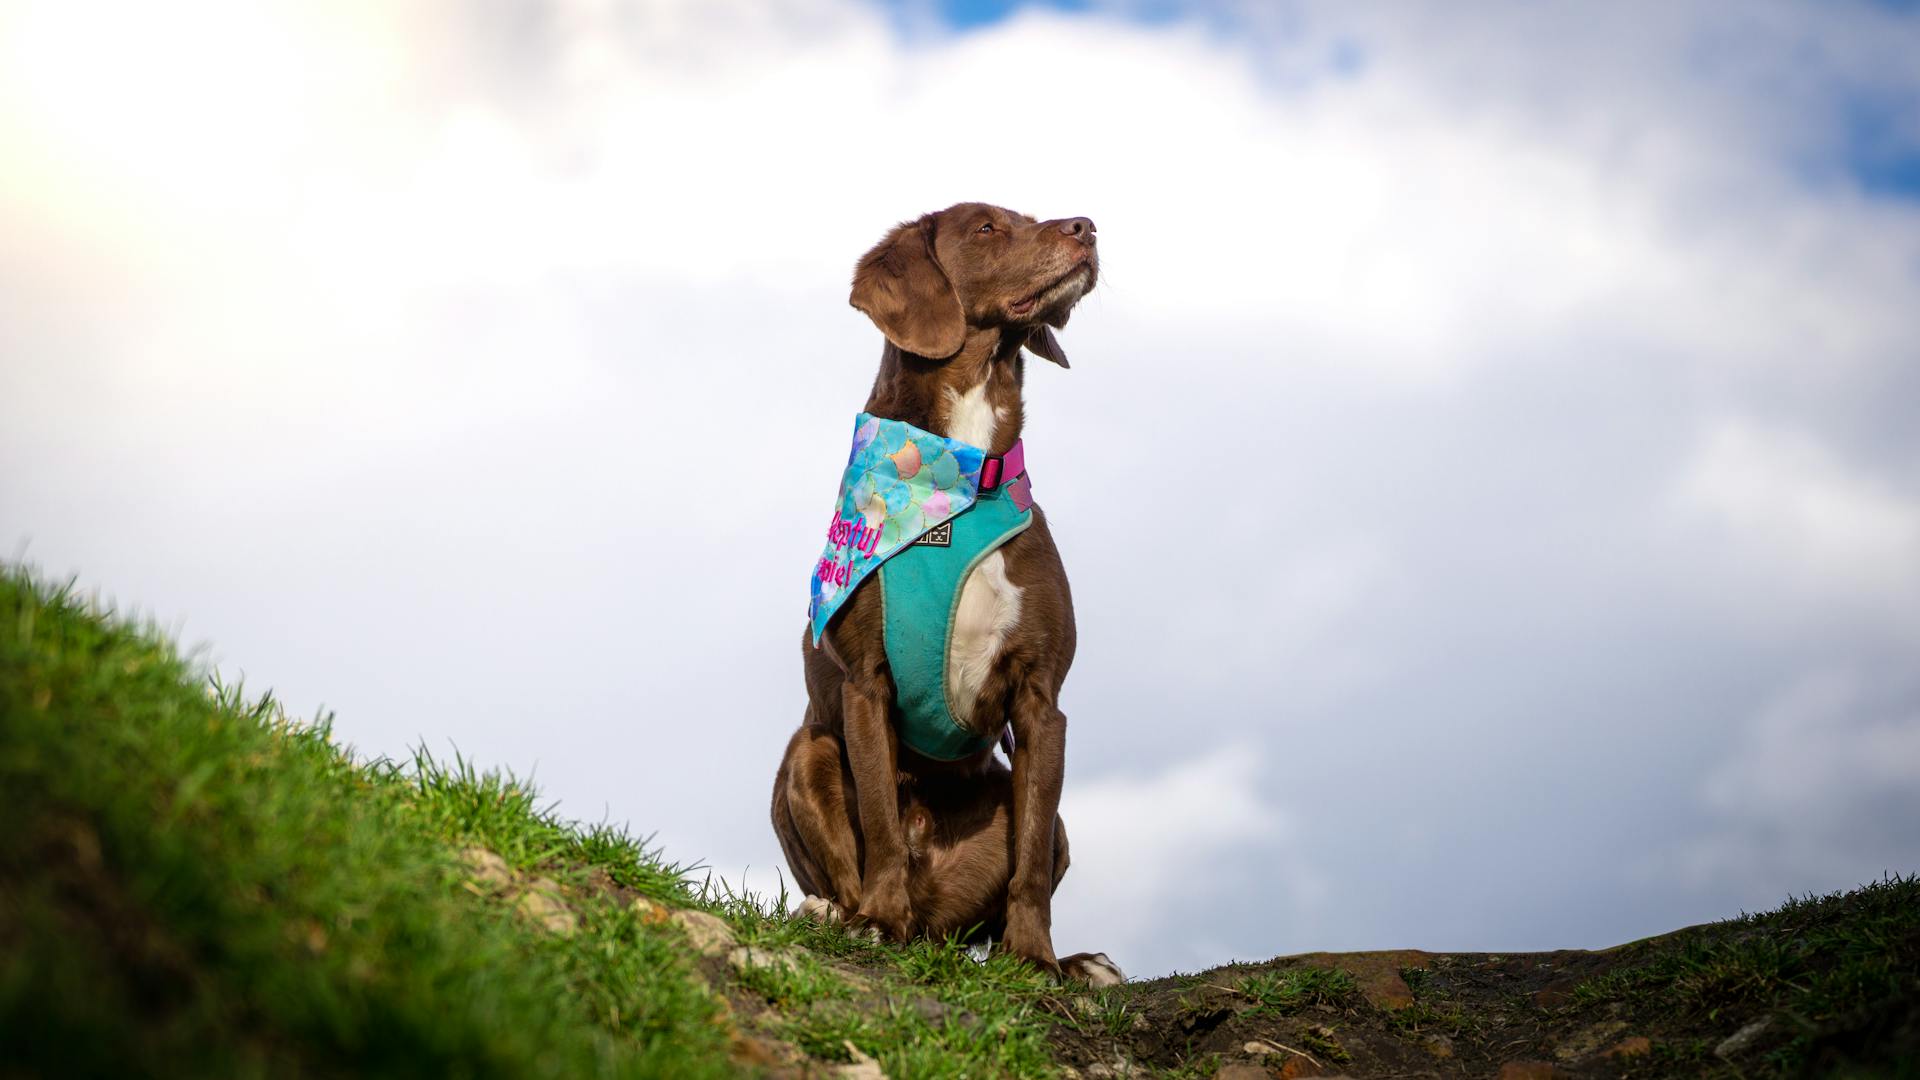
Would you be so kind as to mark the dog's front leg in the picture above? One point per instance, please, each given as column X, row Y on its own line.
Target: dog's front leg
column 873, row 756
column 1039, row 761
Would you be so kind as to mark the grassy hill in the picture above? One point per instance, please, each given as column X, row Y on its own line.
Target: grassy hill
column 193, row 885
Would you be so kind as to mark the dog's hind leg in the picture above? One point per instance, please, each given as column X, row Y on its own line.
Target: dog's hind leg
column 807, row 875
column 814, row 819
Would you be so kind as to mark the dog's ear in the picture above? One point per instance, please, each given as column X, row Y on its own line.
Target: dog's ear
column 900, row 285
column 1042, row 343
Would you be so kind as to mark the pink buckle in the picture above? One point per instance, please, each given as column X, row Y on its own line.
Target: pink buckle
column 1005, row 467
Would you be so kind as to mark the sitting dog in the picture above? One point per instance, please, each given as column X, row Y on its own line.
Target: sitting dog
column 941, row 623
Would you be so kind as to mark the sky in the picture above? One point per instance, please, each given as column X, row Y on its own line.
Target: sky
column 1487, row 473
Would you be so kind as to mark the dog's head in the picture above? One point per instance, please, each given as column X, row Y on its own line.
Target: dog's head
column 976, row 267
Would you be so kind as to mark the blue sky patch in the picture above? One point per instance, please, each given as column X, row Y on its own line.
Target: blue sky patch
column 1879, row 149
column 970, row 13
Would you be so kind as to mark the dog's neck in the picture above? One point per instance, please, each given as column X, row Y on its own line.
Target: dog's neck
column 972, row 396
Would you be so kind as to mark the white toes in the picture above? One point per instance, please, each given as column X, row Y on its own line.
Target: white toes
column 821, row 910
column 1096, row 969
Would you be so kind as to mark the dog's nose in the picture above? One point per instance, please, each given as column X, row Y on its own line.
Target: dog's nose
column 1079, row 228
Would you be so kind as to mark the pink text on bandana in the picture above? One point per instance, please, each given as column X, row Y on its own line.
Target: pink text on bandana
column 843, row 532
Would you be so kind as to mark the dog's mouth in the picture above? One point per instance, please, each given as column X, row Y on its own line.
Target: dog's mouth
column 1054, row 292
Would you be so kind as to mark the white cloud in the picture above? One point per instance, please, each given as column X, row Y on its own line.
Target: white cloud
column 1148, row 847
column 1784, row 498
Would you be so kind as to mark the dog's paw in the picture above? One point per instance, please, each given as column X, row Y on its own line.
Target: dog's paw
column 888, row 910
column 1041, row 959
column 1092, row 968
column 821, row 910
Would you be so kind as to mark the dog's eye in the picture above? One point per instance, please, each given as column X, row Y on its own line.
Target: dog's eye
column 985, row 228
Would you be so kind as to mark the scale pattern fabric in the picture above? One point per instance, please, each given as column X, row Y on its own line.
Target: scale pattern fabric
column 900, row 482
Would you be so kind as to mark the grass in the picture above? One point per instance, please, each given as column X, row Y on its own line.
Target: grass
column 1286, row 991
column 1835, row 977
column 1432, row 1011
column 934, row 1011
column 192, row 884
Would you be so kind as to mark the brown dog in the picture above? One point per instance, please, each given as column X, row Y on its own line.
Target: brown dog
column 901, row 843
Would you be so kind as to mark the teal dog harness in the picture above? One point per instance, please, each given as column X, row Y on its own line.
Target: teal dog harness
column 923, row 510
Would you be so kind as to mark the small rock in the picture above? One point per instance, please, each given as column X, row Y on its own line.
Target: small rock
column 1438, row 1045
column 1589, row 1039
column 759, row 958
column 1555, row 994
column 1297, row 1067
column 649, row 912
column 541, row 903
column 1375, row 974
column 863, row 1067
column 1242, row 1071
column 1632, row 1046
column 708, row 933
column 1740, row 1040
column 490, row 871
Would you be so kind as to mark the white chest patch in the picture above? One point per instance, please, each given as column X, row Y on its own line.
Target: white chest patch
column 989, row 606
column 970, row 418
column 989, row 610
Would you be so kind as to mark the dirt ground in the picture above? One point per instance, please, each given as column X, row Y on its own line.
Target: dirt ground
column 1414, row 1014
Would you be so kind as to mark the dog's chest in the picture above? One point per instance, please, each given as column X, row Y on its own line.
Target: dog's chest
column 986, row 616
column 989, row 607
column 972, row 417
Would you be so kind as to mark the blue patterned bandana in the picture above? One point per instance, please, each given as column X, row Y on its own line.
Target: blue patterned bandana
column 900, row 483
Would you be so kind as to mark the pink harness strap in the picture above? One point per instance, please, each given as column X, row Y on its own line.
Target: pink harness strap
column 996, row 470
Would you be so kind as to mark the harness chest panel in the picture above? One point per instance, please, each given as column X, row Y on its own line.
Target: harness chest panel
column 920, row 589
column 922, row 510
